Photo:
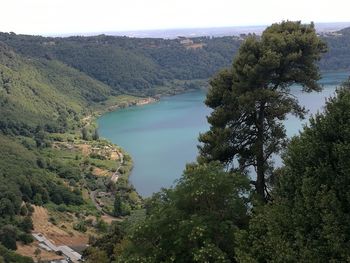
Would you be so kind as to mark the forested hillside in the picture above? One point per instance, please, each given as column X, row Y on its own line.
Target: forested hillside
column 338, row 55
column 43, row 92
column 45, row 109
column 144, row 66
column 131, row 65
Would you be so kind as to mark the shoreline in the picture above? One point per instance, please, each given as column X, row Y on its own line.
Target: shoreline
column 91, row 120
column 135, row 102
column 156, row 98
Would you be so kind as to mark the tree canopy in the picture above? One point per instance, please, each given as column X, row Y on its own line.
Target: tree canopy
column 194, row 222
column 308, row 220
column 146, row 66
column 251, row 99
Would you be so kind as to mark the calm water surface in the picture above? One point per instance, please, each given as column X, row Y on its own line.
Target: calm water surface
column 162, row 137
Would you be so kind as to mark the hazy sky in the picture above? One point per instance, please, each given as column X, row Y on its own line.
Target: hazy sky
column 79, row 16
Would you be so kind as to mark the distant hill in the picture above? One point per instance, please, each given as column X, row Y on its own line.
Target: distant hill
column 132, row 65
column 207, row 31
column 50, row 81
column 345, row 31
column 338, row 55
column 146, row 66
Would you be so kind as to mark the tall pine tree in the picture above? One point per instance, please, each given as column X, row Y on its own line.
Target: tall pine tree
column 251, row 99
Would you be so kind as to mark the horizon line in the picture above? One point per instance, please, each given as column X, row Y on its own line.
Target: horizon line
column 107, row 32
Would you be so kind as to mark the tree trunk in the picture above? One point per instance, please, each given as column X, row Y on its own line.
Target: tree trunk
column 260, row 157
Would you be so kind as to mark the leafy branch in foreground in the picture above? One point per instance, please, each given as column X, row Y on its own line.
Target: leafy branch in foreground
column 308, row 220
column 194, row 222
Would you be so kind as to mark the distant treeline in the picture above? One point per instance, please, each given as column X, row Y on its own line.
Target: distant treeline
column 137, row 65
column 338, row 55
column 132, row 65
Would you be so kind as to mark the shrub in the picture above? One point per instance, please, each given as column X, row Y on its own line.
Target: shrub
column 81, row 227
column 26, row 238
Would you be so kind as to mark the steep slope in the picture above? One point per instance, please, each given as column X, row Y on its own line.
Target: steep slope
column 132, row 65
column 44, row 92
column 50, row 149
column 143, row 66
column 37, row 97
column 42, row 103
column 338, row 55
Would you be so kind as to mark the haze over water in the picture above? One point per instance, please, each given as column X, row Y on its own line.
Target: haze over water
column 162, row 137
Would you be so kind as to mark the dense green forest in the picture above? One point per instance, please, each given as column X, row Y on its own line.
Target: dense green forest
column 131, row 65
column 141, row 66
column 50, row 89
column 337, row 56
column 43, row 92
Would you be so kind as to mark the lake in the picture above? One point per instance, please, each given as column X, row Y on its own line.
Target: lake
column 162, row 137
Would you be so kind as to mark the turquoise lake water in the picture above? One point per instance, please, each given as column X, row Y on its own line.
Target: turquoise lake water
column 162, row 137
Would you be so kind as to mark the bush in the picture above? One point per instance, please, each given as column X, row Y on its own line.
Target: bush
column 8, row 236
column 24, row 210
column 97, row 156
column 81, row 227
column 101, row 226
column 53, row 220
column 37, row 200
column 62, row 208
column 89, row 222
column 30, row 209
column 10, row 257
column 25, row 238
column 26, row 224
column 126, row 209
